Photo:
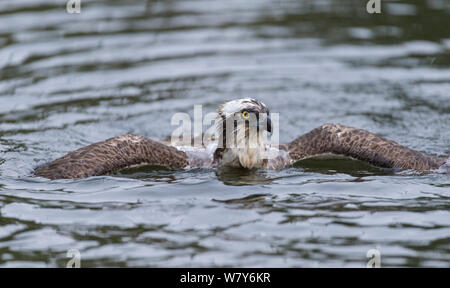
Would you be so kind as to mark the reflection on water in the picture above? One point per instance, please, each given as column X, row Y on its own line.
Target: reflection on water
column 238, row 176
column 68, row 80
column 334, row 165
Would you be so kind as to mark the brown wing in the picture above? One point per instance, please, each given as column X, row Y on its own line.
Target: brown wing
column 113, row 155
column 362, row 145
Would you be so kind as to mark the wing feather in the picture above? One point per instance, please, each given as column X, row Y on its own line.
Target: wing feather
column 362, row 145
column 113, row 155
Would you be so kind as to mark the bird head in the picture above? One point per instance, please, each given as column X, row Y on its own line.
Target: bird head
column 242, row 126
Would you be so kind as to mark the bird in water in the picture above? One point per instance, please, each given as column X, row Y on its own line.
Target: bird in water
column 248, row 149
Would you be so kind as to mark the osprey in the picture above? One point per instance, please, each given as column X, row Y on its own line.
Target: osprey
column 247, row 150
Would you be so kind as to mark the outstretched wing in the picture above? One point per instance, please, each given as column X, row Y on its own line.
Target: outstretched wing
column 113, row 155
column 362, row 145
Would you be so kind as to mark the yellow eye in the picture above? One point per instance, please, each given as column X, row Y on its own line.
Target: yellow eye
column 245, row 114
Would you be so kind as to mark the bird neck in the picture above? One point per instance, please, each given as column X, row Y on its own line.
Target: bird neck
column 248, row 150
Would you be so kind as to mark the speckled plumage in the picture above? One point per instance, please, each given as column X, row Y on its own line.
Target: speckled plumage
column 111, row 156
column 128, row 150
column 360, row 144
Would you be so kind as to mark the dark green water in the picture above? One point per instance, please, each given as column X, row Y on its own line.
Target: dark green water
column 68, row 80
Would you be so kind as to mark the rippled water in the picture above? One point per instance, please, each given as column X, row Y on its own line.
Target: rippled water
column 68, row 80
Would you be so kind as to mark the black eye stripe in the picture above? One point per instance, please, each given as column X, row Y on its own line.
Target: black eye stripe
column 251, row 110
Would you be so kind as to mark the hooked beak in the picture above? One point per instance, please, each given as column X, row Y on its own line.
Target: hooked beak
column 258, row 123
column 269, row 125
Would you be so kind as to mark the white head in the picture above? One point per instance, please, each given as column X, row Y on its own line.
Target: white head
column 242, row 125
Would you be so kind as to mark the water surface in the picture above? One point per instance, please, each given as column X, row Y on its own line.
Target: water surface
column 68, row 80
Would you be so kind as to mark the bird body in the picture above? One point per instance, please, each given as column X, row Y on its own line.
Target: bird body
column 243, row 145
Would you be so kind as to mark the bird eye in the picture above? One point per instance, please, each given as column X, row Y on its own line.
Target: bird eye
column 245, row 114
